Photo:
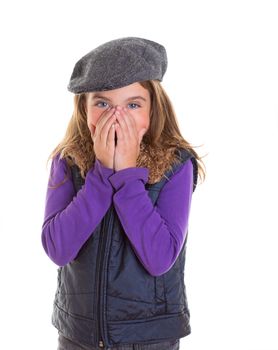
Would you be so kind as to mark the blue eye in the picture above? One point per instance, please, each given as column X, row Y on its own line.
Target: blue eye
column 100, row 102
column 135, row 105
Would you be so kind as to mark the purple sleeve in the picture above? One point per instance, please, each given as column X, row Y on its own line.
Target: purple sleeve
column 70, row 218
column 156, row 233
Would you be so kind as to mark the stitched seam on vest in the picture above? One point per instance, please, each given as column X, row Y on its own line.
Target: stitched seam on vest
column 75, row 293
column 145, row 302
column 72, row 314
column 129, row 299
column 139, row 320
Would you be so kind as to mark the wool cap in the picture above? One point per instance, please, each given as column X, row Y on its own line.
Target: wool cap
column 118, row 63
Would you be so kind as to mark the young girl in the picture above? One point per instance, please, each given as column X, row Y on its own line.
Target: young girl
column 118, row 203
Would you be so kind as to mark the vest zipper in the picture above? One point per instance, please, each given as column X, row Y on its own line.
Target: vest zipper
column 98, row 278
column 99, row 336
column 98, row 297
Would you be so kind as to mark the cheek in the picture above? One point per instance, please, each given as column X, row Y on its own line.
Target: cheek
column 93, row 116
column 142, row 122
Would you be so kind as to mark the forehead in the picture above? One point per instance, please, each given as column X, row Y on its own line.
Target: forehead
column 128, row 91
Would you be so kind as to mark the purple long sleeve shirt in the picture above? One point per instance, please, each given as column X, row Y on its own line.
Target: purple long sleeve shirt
column 157, row 235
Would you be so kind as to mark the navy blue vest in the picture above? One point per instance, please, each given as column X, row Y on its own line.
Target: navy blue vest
column 105, row 297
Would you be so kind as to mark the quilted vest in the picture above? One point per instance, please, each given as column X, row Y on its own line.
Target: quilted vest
column 105, row 297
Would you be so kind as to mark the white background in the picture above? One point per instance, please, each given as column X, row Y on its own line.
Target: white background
column 222, row 78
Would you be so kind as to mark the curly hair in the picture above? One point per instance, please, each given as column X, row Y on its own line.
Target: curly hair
column 157, row 148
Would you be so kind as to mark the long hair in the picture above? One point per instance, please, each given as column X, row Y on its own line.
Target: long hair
column 157, row 148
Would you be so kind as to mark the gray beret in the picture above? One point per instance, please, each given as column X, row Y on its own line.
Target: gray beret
column 118, row 63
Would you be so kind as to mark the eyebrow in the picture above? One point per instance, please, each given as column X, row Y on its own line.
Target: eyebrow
column 128, row 99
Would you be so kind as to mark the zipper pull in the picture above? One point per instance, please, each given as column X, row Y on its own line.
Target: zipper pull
column 101, row 344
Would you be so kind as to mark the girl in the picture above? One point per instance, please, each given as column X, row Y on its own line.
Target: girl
column 118, row 203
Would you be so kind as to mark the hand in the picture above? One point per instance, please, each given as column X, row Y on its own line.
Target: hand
column 128, row 140
column 103, row 136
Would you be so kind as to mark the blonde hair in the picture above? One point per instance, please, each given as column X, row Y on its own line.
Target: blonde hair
column 157, row 148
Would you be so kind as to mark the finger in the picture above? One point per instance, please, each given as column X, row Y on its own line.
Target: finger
column 119, row 131
column 130, row 119
column 106, row 128
column 92, row 129
column 141, row 134
column 130, row 124
column 111, row 136
column 121, row 120
column 104, row 117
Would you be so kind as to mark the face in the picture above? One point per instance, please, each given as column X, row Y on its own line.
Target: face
column 134, row 97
